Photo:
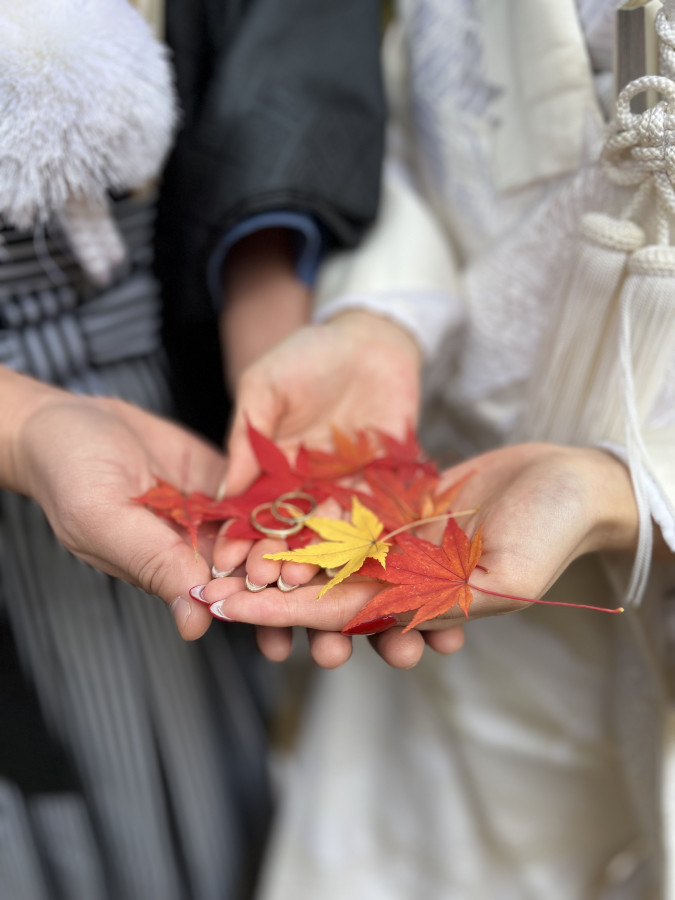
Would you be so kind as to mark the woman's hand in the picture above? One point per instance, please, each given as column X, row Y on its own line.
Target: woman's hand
column 540, row 507
column 82, row 459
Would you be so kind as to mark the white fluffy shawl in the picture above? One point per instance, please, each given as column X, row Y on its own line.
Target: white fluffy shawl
column 86, row 106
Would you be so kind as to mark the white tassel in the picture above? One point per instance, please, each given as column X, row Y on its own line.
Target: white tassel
column 646, row 342
column 566, row 371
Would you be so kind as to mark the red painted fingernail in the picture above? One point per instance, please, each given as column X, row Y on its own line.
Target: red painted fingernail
column 373, row 626
column 216, row 610
column 196, row 593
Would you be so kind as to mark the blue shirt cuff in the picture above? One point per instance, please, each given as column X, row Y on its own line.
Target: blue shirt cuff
column 308, row 243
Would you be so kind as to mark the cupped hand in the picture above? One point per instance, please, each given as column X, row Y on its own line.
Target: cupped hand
column 83, row 458
column 356, row 371
column 540, row 506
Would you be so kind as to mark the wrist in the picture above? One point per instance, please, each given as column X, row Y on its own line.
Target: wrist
column 257, row 260
column 265, row 301
column 613, row 507
column 22, row 397
column 367, row 326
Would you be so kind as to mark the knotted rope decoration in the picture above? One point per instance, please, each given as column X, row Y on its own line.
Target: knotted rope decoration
column 614, row 329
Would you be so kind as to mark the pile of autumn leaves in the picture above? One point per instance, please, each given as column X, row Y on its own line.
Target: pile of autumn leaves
column 400, row 488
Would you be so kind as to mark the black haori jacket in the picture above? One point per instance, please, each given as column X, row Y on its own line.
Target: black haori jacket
column 282, row 108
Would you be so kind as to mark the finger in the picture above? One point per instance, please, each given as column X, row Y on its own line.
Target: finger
column 330, row 650
column 243, row 467
column 299, row 607
column 261, row 571
column 293, row 574
column 274, row 643
column 256, row 404
column 402, row 651
column 228, row 553
column 150, row 554
column 445, row 642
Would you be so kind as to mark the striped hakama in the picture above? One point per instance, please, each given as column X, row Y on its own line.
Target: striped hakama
column 132, row 764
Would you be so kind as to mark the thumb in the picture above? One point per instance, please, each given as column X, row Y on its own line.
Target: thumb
column 261, row 408
column 146, row 551
column 242, row 466
column 170, row 576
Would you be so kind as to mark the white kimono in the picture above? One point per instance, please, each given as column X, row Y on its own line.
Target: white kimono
column 528, row 765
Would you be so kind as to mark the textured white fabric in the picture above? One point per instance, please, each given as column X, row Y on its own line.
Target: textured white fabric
column 526, row 766
column 662, row 511
column 405, row 271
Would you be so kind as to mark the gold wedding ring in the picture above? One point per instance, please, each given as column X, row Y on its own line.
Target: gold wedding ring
column 293, row 523
column 276, row 532
column 284, row 501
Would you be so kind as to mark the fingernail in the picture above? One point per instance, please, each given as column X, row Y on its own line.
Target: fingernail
column 252, row 586
column 281, row 584
column 373, row 626
column 222, row 487
column 216, row 610
column 221, row 573
column 181, row 610
column 197, row 593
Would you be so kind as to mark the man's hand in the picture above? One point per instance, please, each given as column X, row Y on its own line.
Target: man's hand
column 357, row 371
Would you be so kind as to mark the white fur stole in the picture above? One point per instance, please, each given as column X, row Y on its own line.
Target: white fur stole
column 86, row 107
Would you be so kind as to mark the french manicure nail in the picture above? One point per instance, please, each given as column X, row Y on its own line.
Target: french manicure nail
column 221, row 573
column 197, row 593
column 216, row 610
column 281, row 584
column 222, row 487
column 373, row 626
column 252, row 586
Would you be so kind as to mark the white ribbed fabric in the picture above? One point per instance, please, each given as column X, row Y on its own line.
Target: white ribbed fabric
column 527, row 765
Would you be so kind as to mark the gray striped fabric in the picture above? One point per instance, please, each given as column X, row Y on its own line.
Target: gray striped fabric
column 166, row 739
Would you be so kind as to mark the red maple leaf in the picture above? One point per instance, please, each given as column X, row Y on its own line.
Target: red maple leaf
column 278, row 477
column 351, row 455
column 186, row 510
column 399, row 502
column 270, row 458
column 265, row 489
column 427, row 578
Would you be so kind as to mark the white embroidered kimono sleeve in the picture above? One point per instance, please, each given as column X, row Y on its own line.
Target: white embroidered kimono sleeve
column 404, row 269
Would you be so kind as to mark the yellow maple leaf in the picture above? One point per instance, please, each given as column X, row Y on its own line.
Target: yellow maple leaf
column 346, row 544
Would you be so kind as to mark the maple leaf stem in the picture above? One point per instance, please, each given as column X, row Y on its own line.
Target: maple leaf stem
column 442, row 518
column 619, row 609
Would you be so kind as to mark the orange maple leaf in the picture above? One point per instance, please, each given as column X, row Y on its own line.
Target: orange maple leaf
column 186, row 510
column 427, row 578
column 351, row 455
column 399, row 503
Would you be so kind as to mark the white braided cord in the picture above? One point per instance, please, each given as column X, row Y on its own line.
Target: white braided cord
column 640, row 153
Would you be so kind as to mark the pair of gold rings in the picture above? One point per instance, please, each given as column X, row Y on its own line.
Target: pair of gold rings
column 293, row 523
